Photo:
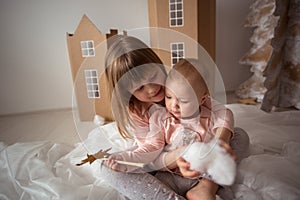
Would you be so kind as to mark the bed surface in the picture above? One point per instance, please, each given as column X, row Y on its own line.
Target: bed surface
column 39, row 170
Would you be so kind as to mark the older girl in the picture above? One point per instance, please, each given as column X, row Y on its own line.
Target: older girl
column 136, row 79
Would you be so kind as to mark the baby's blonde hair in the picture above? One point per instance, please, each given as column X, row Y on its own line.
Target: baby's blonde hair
column 189, row 70
column 125, row 54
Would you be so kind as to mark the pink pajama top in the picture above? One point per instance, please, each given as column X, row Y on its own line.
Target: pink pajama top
column 148, row 145
column 181, row 132
column 163, row 132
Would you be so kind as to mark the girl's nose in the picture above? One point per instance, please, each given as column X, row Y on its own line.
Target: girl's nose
column 150, row 88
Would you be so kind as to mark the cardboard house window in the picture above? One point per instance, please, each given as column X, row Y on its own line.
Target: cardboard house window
column 92, row 86
column 87, row 48
column 176, row 13
column 177, row 52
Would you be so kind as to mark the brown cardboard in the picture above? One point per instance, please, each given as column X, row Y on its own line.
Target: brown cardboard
column 198, row 24
column 89, row 107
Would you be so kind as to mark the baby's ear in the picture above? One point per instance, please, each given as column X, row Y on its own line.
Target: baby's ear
column 203, row 99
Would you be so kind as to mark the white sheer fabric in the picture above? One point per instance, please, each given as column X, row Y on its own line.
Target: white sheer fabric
column 44, row 170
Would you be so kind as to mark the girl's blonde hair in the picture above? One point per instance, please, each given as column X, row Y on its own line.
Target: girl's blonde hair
column 127, row 56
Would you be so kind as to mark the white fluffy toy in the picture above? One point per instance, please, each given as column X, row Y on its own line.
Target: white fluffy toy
column 212, row 161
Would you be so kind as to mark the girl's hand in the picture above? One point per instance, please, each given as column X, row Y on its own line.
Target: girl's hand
column 113, row 165
column 184, row 168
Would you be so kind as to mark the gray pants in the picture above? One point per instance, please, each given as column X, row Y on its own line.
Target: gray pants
column 137, row 186
column 164, row 185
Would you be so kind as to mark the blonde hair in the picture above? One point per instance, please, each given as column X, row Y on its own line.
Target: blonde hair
column 125, row 54
column 189, row 70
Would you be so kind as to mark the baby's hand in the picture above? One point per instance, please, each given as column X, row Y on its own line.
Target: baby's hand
column 113, row 165
column 214, row 159
column 228, row 149
column 184, row 168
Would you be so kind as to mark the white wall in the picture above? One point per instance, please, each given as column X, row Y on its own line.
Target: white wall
column 35, row 72
column 232, row 41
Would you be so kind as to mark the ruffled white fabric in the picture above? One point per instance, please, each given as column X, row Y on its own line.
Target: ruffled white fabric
column 45, row 170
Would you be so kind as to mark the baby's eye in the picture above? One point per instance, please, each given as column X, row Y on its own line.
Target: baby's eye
column 184, row 101
column 167, row 97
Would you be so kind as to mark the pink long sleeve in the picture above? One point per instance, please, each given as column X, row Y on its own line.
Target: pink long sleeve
column 222, row 116
column 213, row 115
column 150, row 140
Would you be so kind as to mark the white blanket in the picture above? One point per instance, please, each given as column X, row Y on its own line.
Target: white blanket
column 45, row 170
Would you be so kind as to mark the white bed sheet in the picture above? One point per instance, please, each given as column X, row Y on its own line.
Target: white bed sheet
column 44, row 170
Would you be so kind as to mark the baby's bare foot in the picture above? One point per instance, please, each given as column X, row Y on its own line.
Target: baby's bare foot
column 204, row 190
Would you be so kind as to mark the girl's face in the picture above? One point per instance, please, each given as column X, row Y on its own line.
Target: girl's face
column 181, row 100
column 151, row 89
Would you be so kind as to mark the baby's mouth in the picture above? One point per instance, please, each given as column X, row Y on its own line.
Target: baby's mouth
column 175, row 112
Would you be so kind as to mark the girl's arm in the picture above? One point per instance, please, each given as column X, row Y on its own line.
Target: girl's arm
column 150, row 139
column 145, row 153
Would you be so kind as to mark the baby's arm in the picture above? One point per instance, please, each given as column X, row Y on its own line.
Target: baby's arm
column 223, row 134
column 184, row 168
column 223, row 122
column 224, row 127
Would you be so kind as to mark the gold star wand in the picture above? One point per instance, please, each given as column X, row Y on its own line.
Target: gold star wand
column 103, row 155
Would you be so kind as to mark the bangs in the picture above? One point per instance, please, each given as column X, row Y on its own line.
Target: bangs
column 136, row 76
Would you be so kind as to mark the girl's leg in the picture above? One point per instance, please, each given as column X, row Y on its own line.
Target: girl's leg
column 137, row 186
column 176, row 182
column 240, row 143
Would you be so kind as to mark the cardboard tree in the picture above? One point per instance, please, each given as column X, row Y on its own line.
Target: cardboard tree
column 283, row 71
column 87, row 47
column 261, row 16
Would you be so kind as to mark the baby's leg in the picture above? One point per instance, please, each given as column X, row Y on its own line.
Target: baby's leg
column 240, row 143
column 204, row 190
column 137, row 186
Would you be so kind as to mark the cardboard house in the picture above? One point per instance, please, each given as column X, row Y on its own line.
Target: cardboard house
column 194, row 19
column 87, row 47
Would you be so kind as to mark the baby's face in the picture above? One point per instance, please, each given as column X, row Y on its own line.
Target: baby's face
column 181, row 100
